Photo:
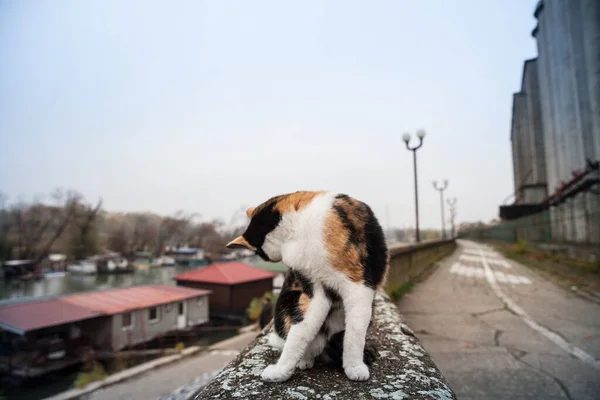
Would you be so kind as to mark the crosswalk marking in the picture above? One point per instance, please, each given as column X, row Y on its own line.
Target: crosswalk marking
column 494, row 261
column 476, row 252
column 478, row 272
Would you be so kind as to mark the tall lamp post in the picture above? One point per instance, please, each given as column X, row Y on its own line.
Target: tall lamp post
column 406, row 138
column 441, row 189
column 452, row 207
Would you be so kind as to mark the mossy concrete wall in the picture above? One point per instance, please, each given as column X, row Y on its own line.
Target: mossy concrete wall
column 409, row 262
column 401, row 370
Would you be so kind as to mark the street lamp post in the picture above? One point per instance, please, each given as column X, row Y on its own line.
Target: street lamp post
column 441, row 190
column 406, row 138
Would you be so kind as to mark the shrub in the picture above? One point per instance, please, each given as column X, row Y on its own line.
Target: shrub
column 255, row 307
column 96, row 373
column 521, row 247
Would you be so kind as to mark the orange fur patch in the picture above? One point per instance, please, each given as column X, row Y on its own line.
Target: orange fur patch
column 287, row 322
column 304, row 302
column 295, row 201
column 344, row 256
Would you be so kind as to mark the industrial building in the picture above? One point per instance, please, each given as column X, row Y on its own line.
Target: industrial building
column 527, row 137
column 555, row 129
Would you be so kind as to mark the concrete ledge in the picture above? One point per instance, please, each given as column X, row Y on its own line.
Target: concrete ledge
column 408, row 262
column 402, row 370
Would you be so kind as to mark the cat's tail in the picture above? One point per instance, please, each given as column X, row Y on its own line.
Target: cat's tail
column 334, row 351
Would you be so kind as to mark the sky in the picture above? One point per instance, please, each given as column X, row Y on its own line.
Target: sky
column 209, row 106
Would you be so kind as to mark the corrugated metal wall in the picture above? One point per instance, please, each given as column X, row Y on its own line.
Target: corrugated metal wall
column 529, row 164
column 568, row 41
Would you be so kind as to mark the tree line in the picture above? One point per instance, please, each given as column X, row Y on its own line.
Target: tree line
column 65, row 222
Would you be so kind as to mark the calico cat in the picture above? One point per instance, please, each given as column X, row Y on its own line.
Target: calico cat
column 292, row 304
column 336, row 245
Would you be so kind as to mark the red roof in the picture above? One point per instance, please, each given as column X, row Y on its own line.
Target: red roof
column 121, row 300
column 22, row 317
column 230, row 273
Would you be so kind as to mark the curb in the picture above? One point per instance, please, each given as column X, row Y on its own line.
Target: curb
column 129, row 373
column 125, row 374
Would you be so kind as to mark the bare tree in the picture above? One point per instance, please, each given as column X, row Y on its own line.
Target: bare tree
column 173, row 230
column 35, row 227
column 206, row 236
column 83, row 240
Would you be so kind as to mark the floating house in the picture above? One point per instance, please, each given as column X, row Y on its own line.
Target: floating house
column 188, row 256
column 233, row 286
column 43, row 335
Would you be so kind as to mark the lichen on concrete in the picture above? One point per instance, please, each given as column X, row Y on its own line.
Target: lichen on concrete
column 402, row 370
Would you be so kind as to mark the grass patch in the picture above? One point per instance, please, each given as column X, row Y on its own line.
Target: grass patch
column 555, row 266
column 95, row 373
column 397, row 292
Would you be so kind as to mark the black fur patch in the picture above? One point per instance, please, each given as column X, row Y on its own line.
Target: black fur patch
column 307, row 286
column 260, row 252
column 294, row 285
column 375, row 260
column 342, row 196
column 264, row 221
column 334, row 351
column 353, row 236
column 332, row 295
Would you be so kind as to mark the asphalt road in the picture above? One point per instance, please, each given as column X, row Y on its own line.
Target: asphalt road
column 497, row 330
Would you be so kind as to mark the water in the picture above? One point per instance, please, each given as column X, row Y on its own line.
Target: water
column 15, row 289
column 20, row 290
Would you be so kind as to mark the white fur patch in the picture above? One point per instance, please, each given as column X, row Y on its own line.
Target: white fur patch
column 275, row 341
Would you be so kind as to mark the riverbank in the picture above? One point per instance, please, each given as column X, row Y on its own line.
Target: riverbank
column 18, row 290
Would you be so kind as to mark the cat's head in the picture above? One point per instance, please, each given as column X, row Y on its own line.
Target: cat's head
column 261, row 236
column 264, row 234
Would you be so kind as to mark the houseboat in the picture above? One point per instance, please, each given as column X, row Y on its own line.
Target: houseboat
column 144, row 260
column 41, row 336
column 189, row 256
column 55, row 265
column 21, row 269
column 113, row 263
column 233, row 286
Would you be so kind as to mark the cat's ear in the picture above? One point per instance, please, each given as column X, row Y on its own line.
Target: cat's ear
column 250, row 212
column 240, row 242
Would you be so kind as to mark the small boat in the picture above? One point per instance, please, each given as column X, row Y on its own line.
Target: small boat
column 165, row 261
column 83, row 268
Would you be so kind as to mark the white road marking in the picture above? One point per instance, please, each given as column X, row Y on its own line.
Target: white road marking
column 500, row 263
column 557, row 339
column 475, row 251
column 477, row 258
column 478, row 272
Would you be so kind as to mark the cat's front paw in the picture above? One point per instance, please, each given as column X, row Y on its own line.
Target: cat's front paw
column 357, row 372
column 306, row 364
column 274, row 373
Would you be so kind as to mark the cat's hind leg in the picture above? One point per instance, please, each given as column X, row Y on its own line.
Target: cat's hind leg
column 358, row 302
column 300, row 336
